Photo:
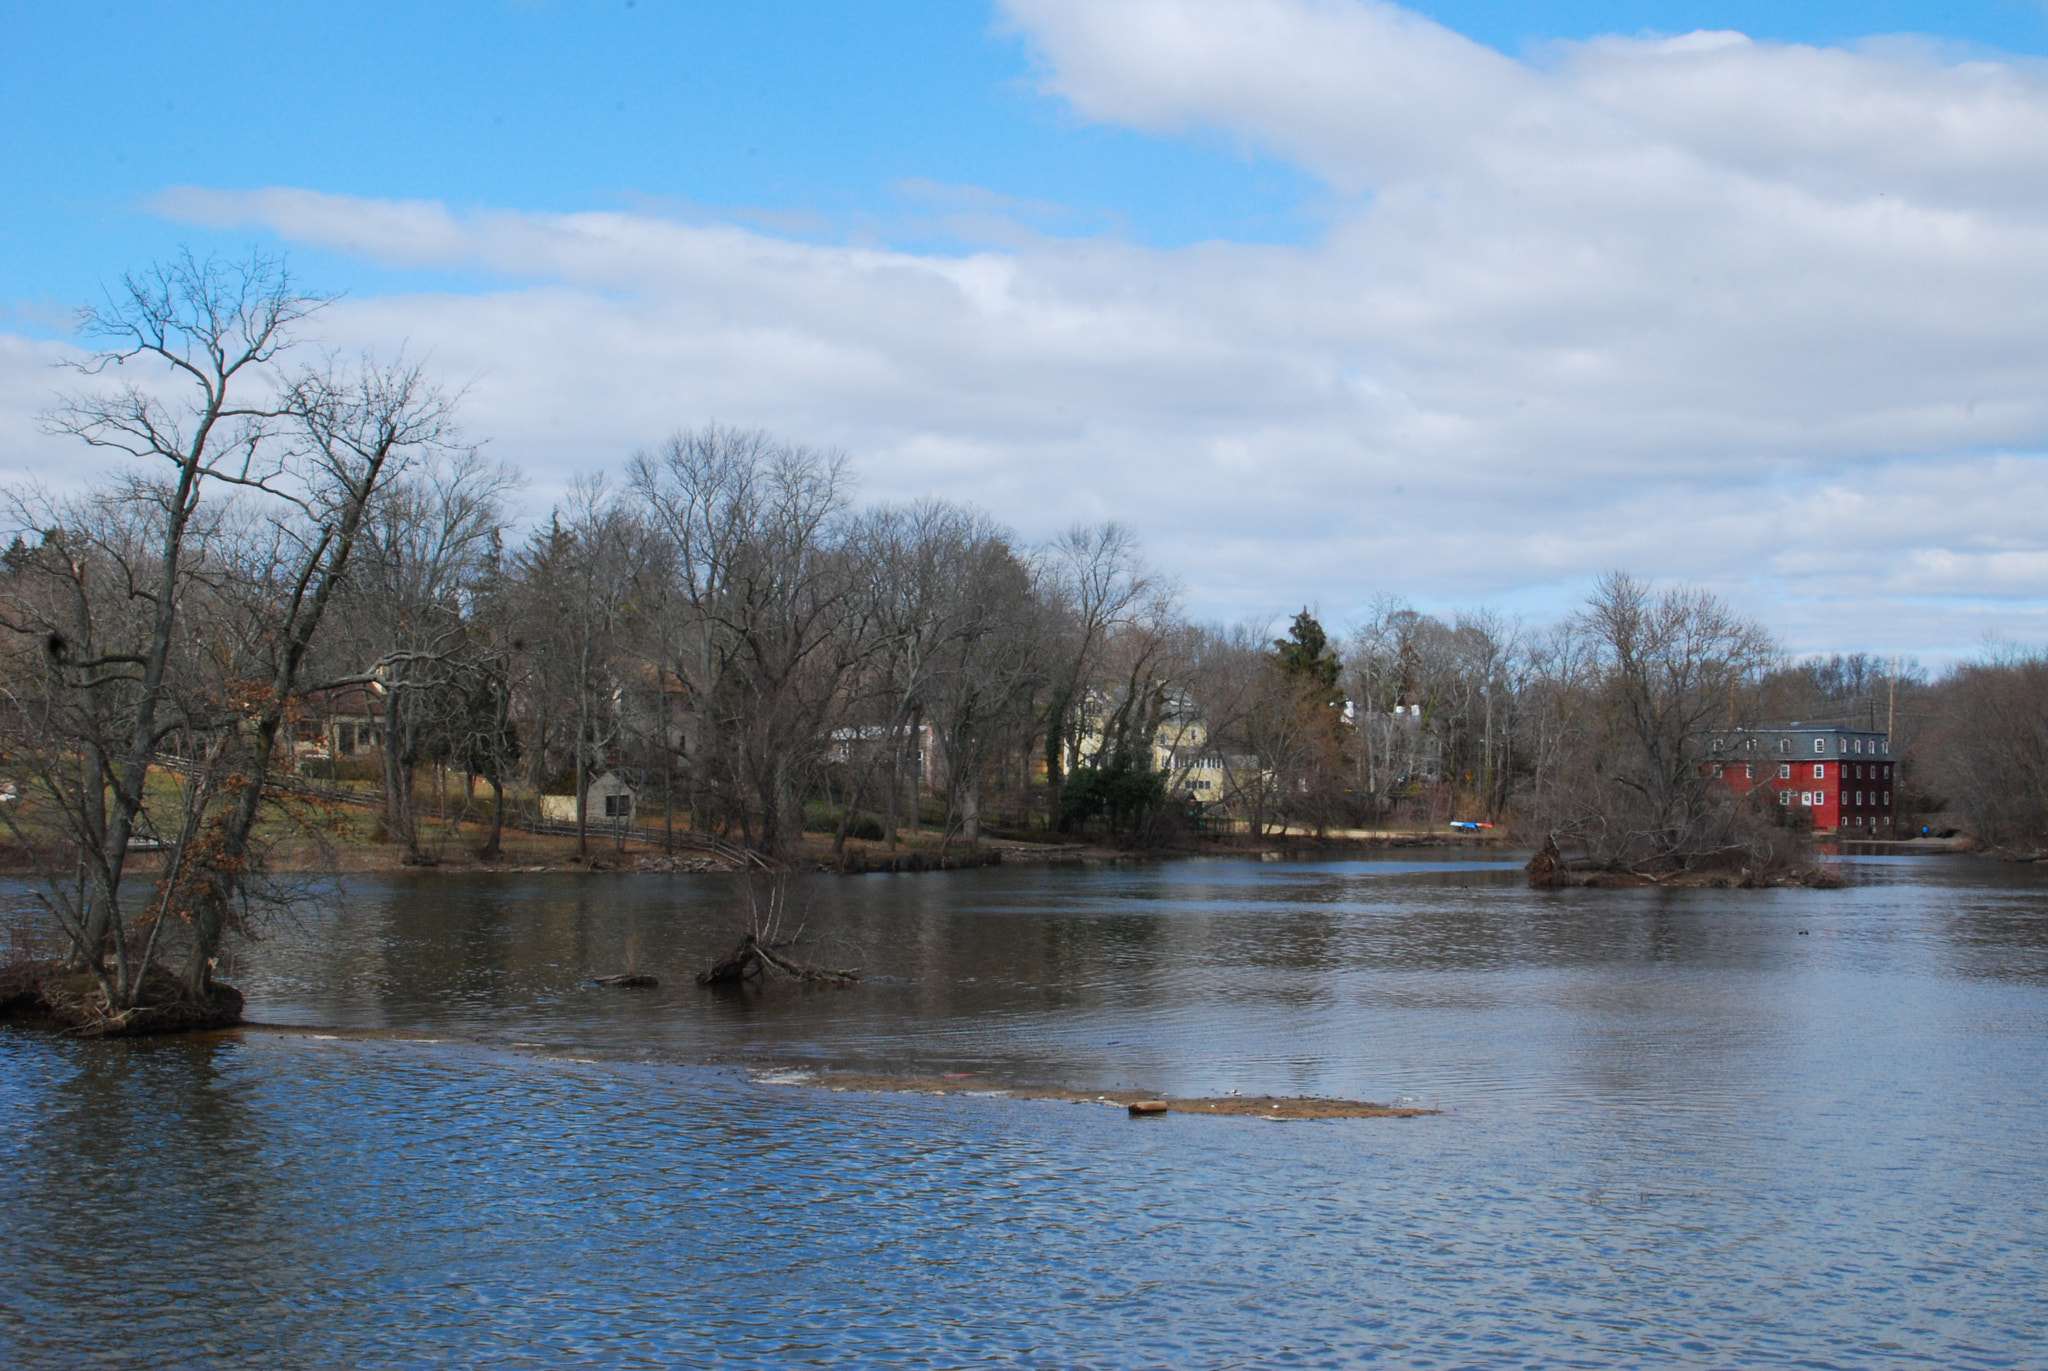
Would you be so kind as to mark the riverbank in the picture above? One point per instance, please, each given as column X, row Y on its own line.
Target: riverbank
column 456, row 850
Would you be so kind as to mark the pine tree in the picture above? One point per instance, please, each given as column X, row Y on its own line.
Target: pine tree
column 1304, row 655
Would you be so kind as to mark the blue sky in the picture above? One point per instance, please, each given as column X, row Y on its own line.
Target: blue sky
column 818, row 117
column 1687, row 309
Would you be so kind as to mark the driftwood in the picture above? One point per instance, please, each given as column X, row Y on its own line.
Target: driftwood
column 754, row 959
column 759, row 955
column 626, row 980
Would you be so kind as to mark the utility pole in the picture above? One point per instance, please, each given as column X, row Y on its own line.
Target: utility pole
column 1891, row 708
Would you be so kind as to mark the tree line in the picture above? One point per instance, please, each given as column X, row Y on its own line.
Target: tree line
column 304, row 555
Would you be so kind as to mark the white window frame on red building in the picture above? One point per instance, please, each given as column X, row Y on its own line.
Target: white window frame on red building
column 1836, row 808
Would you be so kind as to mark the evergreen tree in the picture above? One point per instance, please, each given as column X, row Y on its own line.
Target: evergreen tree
column 1304, row 656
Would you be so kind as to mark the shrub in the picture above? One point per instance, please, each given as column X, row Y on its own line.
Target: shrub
column 820, row 817
column 1121, row 795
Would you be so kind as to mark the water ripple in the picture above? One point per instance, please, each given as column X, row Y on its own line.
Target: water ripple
column 1680, row 1133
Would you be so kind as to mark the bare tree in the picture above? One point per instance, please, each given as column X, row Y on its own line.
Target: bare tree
column 430, row 540
column 1096, row 583
column 979, row 699
column 1985, row 749
column 1659, row 676
column 580, row 593
column 194, row 623
column 199, row 410
column 758, row 540
column 940, row 586
column 356, row 430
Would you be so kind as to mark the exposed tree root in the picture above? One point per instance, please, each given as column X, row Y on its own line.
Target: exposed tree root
column 754, row 960
column 1547, row 868
column 49, row 995
column 759, row 956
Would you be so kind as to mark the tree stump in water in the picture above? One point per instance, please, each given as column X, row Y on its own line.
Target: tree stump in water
column 1546, row 869
column 756, row 960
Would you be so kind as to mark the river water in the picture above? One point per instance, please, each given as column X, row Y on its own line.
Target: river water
column 1800, row 1128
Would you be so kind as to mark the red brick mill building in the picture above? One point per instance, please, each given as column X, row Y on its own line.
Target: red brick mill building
column 1840, row 778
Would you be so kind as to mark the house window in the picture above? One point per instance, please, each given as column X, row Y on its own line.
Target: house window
column 1820, row 745
column 1784, row 771
column 1748, row 772
column 1784, row 744
column 1784, row 797
column 1887, row 797
column 1820, row 771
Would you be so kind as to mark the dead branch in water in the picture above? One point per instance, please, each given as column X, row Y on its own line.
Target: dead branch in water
column 759, row 955
column 755, row 960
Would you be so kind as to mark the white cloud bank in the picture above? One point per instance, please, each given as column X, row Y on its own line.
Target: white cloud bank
column 1771, row 318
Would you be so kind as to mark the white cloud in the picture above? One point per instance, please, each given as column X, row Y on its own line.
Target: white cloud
column 29, row 384
column 1773, row 318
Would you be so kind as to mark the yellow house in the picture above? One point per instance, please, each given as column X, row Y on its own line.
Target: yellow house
column 1180, row 751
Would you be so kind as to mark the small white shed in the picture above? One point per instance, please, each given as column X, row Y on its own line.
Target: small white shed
column 610, row 799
